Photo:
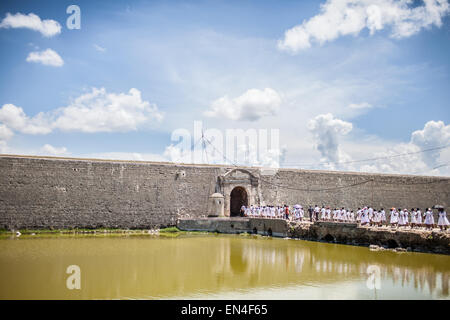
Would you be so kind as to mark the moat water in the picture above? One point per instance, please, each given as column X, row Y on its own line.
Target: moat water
column 214, row 267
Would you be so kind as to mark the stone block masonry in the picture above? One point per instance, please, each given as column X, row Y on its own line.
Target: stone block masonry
column 380, row 238
column 57, row 193
column 344, row 233
column 46, row 192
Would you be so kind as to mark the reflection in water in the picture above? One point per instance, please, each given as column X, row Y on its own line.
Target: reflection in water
column 213, row 267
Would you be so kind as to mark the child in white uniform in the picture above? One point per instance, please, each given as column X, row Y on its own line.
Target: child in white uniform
column 365, row 217
column 382, row 217
column 328, row 211
column 323, row 213
column 419, row 218
column 413, row 218
column 401, row 218
column 338, row 215
column 394, row 217
column 429, row 219
column 443, row 221
column 358, row 215
column 406, row 217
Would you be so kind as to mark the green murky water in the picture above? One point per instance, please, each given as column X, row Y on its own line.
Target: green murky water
column 214, row 267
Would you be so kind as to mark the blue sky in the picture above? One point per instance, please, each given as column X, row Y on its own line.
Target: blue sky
column 357, row 94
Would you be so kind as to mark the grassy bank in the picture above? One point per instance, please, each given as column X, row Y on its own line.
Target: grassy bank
column 167, row 232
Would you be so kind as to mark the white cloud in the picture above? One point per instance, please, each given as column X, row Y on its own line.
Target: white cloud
column 47, row 57
column 247, row 155
column 349, row 17
column 4, row 147
column 99, row 48
column 5, row 132
column 251, row 105
column 392, row 163
column 47, row 28
column 434, row 134
column 48, row 149
column 96, row 111
column 326, row 130
column 99, row 111
column 360, row 106
column 408, row 158
column 15, row 118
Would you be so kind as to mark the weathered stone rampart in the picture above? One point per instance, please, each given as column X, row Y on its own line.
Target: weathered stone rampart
column 378, row 238
column 46, row 192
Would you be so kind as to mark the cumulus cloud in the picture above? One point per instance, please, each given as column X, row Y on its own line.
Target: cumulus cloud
column 96, row 111
column 4, row 147
column 47, row 57
column 251, row 105
column 390, row 162
column 48, row 149
column 5, row 133
column 47, row 28
column 99, row 111
column 327, row 130
column 409, row 158
column 247, row 155
column 349, row 17
column 434, row 134
column 14, row 118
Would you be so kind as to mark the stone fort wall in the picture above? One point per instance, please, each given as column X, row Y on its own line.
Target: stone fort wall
column 45, row 192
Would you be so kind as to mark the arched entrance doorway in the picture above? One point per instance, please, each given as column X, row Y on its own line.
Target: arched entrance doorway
column 238, row 198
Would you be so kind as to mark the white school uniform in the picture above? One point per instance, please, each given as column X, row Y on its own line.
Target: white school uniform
column 338, row 214
column 343, row 215
column 394, row 216
column 352, row 216
column 414, row 217
column 443, row 221
column 328, row 214
column 419, row 217
column 401, row 218
column 429, row 219
column 383, row 216
column 376, row 216
column 365, row 216
column 322, row 213
column 316, row 209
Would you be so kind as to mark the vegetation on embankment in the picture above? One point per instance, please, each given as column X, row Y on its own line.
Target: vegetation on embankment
column 166, row 232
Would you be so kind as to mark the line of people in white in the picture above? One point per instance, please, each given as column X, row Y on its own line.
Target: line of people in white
column 273, row 212
column 366, row 216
